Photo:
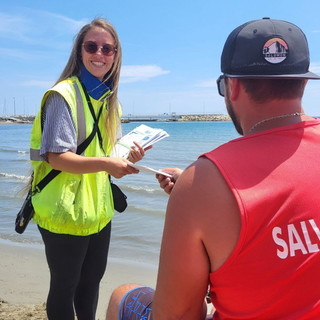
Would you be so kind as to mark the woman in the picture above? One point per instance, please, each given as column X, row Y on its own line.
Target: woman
column 74, row 210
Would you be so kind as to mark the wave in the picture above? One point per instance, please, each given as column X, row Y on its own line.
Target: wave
column 14, row 176
column 148, row 190
column 4, row 150
column 20, row 160
column 147, row 211
column 19, row 239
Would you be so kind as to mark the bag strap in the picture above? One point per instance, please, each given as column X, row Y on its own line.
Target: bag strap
column 95, row 119
column 80, row 149
column 53, row 173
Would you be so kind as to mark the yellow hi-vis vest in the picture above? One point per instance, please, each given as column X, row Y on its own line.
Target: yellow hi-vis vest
column 75, row 204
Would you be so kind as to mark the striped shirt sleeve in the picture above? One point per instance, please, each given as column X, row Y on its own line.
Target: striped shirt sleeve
column 59, row 131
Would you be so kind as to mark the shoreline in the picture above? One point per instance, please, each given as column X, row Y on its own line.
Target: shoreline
column 24, row 281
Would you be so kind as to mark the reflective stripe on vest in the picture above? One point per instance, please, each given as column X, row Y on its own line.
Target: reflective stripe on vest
column 35, row 153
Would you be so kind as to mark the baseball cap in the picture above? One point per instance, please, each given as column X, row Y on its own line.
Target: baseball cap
column 267, row 48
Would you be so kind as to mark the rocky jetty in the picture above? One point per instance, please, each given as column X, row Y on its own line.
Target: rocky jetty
column 204, row 117
column 185, row 117
column 17, row 119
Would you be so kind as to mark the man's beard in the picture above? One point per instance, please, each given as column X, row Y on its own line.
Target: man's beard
column 232, row 114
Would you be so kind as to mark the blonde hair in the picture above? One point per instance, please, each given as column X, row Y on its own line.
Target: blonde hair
column 74, row 63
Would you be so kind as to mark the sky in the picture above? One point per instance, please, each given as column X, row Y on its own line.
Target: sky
column 171, row 49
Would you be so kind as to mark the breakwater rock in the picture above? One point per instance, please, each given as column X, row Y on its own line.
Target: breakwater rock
column 124, row 119
column 204, row 117
column 17, row 119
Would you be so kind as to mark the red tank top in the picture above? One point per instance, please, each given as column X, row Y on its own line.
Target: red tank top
column 274, row 271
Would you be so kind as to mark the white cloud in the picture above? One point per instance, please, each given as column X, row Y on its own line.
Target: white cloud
column 37, row 83
column 23, row 25
column 139, row 73
column 13, row 27
column 63, row 22
column 129, row 74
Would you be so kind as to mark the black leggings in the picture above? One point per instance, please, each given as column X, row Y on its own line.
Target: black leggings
column 77, row 265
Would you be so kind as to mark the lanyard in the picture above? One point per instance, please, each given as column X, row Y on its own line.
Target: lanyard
column 95, row 119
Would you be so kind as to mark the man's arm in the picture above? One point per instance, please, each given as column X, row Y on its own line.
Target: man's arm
column 201, row 229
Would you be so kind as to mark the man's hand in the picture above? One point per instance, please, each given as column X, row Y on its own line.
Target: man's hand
column 167, row 183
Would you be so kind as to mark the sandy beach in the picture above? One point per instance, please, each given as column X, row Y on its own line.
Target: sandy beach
column 24, row 281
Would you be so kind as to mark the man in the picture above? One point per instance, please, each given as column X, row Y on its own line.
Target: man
column 245, row 217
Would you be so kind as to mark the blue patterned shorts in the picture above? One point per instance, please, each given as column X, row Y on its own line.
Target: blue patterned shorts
column 136, row 304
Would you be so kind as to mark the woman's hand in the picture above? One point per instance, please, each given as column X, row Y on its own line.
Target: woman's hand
column 137, row 152
column 119, row 167
column 167, row 183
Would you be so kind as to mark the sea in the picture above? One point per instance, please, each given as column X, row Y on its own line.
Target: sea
column 136, row 233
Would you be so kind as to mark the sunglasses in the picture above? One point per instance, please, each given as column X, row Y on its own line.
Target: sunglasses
column 221, row 85
column 92, row 47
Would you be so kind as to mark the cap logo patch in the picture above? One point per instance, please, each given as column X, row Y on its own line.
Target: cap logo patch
column 275, row 50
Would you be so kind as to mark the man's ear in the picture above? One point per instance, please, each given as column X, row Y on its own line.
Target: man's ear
column 234, row 87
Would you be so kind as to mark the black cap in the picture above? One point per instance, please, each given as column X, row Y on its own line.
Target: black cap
column 267, row 48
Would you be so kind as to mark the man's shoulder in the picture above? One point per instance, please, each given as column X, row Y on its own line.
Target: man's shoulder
column 201, row 180
column 200, row 169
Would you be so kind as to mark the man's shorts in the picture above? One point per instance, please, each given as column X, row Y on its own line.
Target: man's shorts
column 136, row 304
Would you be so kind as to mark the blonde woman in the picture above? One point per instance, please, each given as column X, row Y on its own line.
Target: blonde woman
column 74, row 210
